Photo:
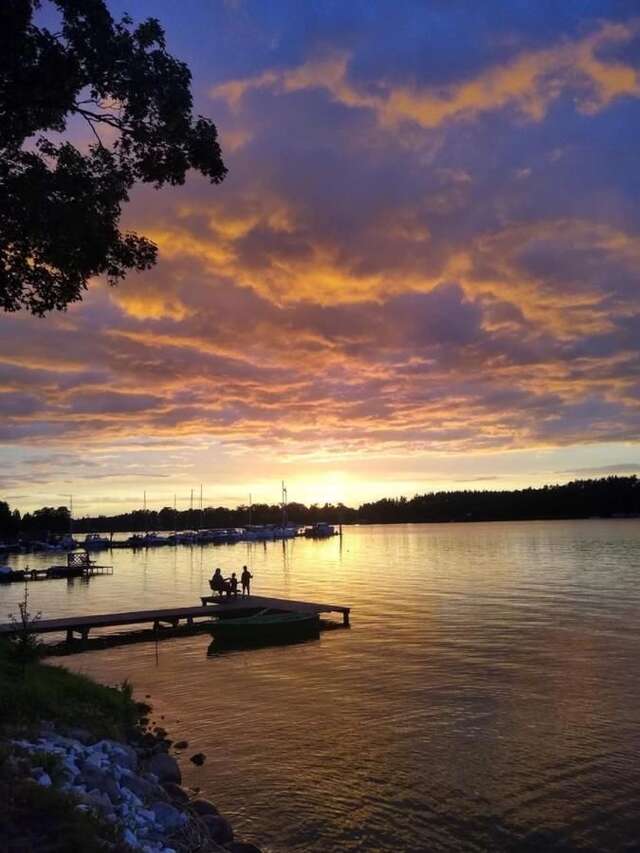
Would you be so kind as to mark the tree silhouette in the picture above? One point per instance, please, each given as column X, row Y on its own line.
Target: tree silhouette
column 60, row 204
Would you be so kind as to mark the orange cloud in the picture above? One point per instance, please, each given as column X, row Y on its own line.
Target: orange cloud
column 530, row 83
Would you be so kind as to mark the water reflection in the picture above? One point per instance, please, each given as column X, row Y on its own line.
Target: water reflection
column 485, row 697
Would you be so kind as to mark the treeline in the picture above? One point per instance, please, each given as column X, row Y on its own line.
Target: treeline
column 610, row 496
column 50, row 521
column 607, row 497
column 210, row 517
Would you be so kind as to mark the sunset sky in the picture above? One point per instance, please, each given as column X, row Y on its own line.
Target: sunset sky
column 422, row 271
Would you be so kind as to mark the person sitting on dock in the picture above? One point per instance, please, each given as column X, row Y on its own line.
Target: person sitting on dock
column 245, row 577
column 232, row 588
column 217, row 583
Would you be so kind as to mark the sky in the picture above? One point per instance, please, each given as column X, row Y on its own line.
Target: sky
column 422, row 271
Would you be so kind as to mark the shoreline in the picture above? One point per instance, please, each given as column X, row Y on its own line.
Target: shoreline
column 106, row 776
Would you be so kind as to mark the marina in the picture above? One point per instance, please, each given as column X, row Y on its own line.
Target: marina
column 94, row 542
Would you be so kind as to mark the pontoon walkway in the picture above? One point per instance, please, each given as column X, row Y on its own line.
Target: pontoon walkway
column 211, row 608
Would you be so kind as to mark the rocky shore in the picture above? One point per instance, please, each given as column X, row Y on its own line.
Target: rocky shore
column 132, row 789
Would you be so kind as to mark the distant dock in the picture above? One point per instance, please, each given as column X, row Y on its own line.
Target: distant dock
column 209, row 610
column 78, row 566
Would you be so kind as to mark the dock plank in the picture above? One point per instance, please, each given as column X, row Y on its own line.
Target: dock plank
column 216, row 608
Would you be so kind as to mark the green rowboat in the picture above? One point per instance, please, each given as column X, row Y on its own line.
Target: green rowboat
column 265, row 626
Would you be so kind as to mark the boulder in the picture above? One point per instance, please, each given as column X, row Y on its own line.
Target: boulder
column 176, row 793
column 94, row 778
column 199, row 758
column 169, row 818
column 165, row 767
column 129, row 838
column 218, row 828
column 120, row 753
column 99, row 800
column 41, row 777
column 181, row 744
column 203, row 807
column 143, row 789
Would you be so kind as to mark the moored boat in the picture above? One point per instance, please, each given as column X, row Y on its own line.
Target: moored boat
column 95, row 542
column 265, row 626
column 321, row 530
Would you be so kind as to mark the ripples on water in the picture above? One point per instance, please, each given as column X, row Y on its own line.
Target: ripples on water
column 485, row 698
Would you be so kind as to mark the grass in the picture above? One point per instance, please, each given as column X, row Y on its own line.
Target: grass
column 37, row 819
column 33, row 692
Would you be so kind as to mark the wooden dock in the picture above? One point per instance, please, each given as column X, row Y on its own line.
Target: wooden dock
column 79, row 565
column 55, row 573
column 210, row 610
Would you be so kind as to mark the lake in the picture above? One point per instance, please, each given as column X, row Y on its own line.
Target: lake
column 486, row 696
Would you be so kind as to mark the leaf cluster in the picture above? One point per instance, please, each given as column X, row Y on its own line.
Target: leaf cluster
column 60, row 201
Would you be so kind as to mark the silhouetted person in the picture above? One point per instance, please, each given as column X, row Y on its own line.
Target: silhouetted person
column 217, row 582
column 233, row 586
column 245, row 577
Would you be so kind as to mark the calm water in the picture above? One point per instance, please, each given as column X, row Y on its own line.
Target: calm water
column 485, row 698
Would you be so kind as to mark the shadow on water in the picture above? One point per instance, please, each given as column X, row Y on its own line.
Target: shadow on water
column 126, row 638
column 149, row 635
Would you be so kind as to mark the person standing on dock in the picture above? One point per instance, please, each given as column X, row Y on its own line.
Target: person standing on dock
column 245, row 578
column 233, row 585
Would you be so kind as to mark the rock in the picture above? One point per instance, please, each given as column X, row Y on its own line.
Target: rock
column 218, row 828
column 181, row 744
column 199, row 758
column 176, row 793
column 242, row 847
column 120, row 753
column 143, row 789
column 95, row 778
column 99, row 800
column 169, row 818
column 130, row 838
column 41, row 777
column 165, row 768
column 95, row 760
column 203, row 807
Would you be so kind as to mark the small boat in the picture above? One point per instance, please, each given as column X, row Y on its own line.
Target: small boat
column 95, row 542
column 265, row 626
column 321, row 530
